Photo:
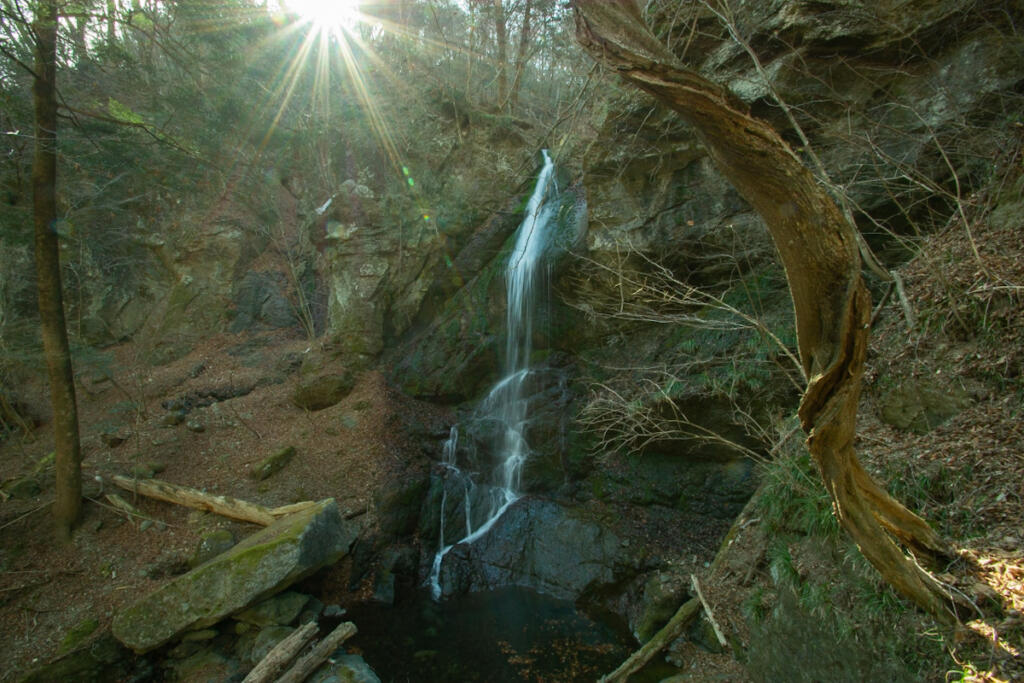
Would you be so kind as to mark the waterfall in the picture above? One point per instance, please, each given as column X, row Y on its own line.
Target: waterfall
column 506, row 403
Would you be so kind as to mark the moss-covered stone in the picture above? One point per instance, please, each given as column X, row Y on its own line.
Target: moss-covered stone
column 282, row 609
column 921, row 405
column 260, row 566
column 274, row 463
column 25, row 487
column 100, row 659
column 78, row 634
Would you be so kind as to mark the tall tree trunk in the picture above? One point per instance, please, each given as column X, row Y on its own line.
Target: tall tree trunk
column 111, row 21
column 501, row 38
column 818, row 248
column 521, row 58
column 68, row 505
column 78, row 38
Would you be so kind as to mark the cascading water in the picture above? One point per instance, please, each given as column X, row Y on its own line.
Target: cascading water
column 506, row 403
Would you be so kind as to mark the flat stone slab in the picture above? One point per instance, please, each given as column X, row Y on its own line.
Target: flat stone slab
column 260, row 566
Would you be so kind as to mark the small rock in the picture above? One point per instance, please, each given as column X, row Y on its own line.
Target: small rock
column 142, row 471
column 282, row 609
column 273, row 464
column 146, row 524
column 312, row 611
column 350, row 668
column 26, row 487
column 116, row 437
column 199, row 636
column 173, row 418
column 334, row 612
column 196, row 426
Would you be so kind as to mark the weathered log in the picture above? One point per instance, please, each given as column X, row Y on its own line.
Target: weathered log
column 123, row 505
column 278, row 659
column 658, row 642
column 222, row 505
column 309, row 663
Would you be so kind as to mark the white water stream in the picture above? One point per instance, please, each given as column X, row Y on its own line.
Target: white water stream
column 506, row 403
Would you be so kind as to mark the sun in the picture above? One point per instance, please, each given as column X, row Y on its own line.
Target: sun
column 326, row 13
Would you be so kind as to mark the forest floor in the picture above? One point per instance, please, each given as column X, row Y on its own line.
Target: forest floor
column 966, row 475
column 347, row 451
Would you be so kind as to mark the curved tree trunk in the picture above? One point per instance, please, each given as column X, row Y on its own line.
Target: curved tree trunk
column 68, row 505
column 819, row 252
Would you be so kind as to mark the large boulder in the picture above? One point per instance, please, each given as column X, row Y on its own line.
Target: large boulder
column 262, row 565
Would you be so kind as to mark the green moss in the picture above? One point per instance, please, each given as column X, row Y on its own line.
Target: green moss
column 78, row 634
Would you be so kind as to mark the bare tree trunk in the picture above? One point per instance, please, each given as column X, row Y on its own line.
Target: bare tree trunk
column 521, row 58
column 68, row 505
column 78, row 38
column 111, row 21
column 501, row 38
column 819, row 251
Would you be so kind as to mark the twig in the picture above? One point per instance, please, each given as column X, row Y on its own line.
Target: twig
column 18, row 519
column 908, row 312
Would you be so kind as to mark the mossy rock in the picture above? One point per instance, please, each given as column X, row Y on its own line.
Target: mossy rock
column 78, row 634
column 281, row 610
column 274, row 463
column 920, row 405
column 101, row 658
column 323, row 391
column 258, row 567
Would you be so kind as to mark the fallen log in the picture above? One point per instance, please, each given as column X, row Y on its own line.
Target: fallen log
column 278, row 659
column 309, row 663
column 193, row 498
column 669, row 632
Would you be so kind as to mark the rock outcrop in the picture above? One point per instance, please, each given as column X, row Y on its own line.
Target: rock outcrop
column 536, row 544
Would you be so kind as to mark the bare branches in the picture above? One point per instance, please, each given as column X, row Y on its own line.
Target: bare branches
column 656, row 295
column 629, row 422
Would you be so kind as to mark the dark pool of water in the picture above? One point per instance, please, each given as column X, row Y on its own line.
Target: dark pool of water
column 512, row 634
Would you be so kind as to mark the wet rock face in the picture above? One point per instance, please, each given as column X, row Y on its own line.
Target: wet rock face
column 457, row 356
column 536, row 544
column 260, row 566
